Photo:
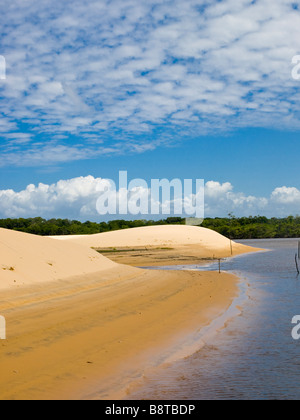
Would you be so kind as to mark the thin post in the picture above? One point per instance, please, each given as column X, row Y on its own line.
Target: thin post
column 219, row 266
column 232, row 250
column 297, row 267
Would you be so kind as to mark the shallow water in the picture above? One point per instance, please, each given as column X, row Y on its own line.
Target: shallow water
column 255, row 356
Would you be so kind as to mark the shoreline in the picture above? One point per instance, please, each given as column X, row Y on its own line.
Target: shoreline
column 193, row 344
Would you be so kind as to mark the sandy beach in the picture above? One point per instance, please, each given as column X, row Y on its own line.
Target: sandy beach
column 80, row 326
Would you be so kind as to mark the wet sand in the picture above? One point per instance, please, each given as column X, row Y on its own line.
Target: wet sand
column 152, row 256
column 90, row 337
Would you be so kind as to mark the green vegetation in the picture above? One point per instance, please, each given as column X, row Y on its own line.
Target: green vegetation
column 257, row 227
column 57, row 227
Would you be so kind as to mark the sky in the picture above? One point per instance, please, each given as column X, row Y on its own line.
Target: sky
column 162, row 89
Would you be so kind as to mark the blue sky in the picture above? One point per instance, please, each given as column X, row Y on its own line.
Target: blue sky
column 194, row 89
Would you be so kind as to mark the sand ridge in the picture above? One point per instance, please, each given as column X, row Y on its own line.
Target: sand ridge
column 28, row 259
column 161, row 235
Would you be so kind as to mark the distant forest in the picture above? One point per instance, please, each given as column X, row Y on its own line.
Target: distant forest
column 257, row 227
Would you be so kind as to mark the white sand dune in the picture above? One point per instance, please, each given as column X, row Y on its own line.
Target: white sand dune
column 29, row 259
column 165, row 235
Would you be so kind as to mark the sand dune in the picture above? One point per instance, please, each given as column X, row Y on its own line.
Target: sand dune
column 161, row 245
column 28, row 259
column 165, row 235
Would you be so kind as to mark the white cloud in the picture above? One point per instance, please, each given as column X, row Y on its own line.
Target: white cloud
column 111, row 67
column 76, row 199
column 66, row 198
column 221, row 199
column 286, row 195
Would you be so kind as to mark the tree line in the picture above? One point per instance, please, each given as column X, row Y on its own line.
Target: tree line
column 58, row 227
column 257, row 227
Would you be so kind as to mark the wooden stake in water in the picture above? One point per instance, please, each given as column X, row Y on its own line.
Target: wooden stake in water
column 219, row 266
column 297, row 267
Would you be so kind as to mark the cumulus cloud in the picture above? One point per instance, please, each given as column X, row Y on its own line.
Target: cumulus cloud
column 286, row 195
column 72, row 198
column 221, row 199
column 77, row 198
column 99, row 72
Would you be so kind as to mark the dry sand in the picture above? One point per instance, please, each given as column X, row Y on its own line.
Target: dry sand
column 92, row 334
column 29, row 259
column 164, row 235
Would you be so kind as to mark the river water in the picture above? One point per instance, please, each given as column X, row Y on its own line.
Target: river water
column 254, row 356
